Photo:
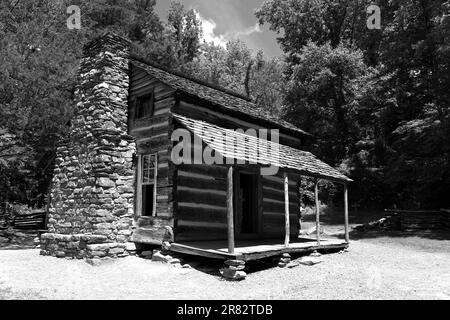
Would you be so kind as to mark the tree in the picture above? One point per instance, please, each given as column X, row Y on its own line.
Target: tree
column 175, row 43
column 39, row 60
column 267, row 84
column 388, row 124
column 238, row 69
column 320, row 21
column 415, row 47
column 322, row 97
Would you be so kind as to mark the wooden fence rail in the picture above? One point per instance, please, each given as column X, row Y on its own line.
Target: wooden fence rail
column 416, row 220
column 32, row 221
column 36, row 220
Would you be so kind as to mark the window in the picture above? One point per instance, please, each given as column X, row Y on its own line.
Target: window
column 147, row 175
column 145, row 106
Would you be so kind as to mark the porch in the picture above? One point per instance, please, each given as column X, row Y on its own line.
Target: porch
column 255, row 249
column 247, row 160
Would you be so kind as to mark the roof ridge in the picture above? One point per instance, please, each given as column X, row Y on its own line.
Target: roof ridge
column 240, row 104
column 191, row 78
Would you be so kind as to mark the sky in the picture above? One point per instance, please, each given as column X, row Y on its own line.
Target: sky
column 223, row 20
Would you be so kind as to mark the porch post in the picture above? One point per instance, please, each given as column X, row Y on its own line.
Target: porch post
column 347, row 238
column 316, row 195
column 286, row 210
column 230, row 215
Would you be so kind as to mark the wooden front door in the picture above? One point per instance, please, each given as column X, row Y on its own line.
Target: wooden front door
column 246, row 211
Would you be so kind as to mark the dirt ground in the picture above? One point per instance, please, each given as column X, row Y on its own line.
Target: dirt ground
column 378, row 265
column 386, row 267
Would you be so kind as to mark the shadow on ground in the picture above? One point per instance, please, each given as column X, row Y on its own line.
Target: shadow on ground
column 428, row 234
column 333, row 223
column 212, row 266
column 335, row 216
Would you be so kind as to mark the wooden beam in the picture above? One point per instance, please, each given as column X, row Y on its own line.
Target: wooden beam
column 299, row 203
column 155, row 187
column 260, row 200
column 230, row 214
column 139, row 187
column 347, row 238
column 316, row 195
column 286, row 210
column 208, row 253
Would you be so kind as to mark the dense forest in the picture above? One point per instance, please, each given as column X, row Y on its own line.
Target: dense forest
column 375, row 101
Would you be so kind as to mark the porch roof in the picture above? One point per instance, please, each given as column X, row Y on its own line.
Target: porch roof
column 240, row 146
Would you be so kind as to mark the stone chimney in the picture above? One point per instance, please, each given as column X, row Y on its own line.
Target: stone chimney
column 92, row 195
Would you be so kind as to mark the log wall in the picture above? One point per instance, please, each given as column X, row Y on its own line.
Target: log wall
column 273, row 205
column 201, row 202
column 152, row 135
column 192, row 198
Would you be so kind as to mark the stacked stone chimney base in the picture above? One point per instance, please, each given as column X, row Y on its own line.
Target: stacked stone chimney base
column 92, row 197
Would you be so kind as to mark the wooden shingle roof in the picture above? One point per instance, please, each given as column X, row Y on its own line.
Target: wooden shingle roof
column 240, row 146
column 215, row 95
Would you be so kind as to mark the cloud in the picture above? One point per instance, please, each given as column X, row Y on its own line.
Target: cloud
column 208, row 26
column 255, row 29
column 209, row 35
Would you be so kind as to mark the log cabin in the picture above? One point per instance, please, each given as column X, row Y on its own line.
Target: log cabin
column 119, row 177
